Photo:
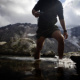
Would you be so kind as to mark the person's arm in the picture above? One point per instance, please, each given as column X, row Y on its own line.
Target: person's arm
column 61, row 19
column 36, row 9
column 62, row 22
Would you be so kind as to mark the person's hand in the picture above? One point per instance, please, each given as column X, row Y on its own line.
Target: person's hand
column 36, row 14
column 65, row 35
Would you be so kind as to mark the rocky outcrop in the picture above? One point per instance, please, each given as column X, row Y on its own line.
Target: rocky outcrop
column 19, row 46
column 22, row 46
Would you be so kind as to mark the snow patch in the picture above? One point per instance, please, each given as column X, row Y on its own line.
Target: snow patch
column 30, row 34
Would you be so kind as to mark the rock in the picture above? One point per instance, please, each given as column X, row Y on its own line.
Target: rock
column 19, row 46
column 49, row 54
column 2, row 43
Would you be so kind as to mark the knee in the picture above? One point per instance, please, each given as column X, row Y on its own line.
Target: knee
column 61, row 40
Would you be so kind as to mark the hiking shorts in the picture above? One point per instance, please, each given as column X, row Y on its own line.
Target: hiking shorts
column 46, row 32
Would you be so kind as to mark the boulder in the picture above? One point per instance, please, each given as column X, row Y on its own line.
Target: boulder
column 49, row 54
column 19, row 46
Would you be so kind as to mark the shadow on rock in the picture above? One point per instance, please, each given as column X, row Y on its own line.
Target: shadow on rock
column 60, row 73
column 8, row 73
column 38, row 70
column 76, row 59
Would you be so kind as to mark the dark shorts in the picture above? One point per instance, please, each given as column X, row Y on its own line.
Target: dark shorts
column 46, row 32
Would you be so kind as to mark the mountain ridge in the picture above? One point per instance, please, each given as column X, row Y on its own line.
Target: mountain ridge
column 26, row 30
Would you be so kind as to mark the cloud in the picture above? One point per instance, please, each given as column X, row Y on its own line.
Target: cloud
column 72, row 12
column 15, row 11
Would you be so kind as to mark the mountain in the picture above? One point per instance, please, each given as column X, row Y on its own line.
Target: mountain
column 74, row 36
column 27, row 30
column 19, row 30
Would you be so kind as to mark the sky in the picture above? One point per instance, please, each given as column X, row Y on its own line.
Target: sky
column 20, row 11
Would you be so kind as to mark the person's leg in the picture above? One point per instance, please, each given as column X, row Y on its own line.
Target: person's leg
column 40, row 42
column 59, row 37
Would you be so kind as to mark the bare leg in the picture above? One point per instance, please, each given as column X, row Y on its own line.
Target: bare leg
column 59, row 37
column 40, row 42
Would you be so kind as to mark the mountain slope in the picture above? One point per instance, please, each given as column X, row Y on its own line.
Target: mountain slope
column 27, row 30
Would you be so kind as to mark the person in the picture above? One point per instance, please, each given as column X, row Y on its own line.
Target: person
column 47, row 11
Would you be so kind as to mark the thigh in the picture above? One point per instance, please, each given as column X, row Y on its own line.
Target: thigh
column 57, row 35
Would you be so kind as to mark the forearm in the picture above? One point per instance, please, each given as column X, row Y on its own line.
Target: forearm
column 62, row 22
